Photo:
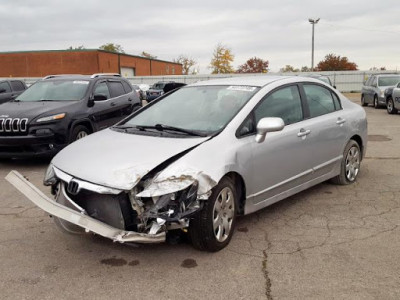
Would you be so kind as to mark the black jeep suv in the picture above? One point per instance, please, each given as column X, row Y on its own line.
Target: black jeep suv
column 59, row 109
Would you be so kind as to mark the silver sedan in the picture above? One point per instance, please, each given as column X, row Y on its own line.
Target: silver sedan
column 195, row 159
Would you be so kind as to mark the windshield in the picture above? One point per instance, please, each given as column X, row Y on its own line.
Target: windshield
column 55, row 90
column 202, row 108
column 388, row 81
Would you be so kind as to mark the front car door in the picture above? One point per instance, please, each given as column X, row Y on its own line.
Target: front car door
column 282, row 162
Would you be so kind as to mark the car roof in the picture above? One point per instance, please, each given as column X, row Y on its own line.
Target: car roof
column 258, row 81
column 387, row 75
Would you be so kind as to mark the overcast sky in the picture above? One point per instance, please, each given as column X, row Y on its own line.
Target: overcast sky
column 367, row 32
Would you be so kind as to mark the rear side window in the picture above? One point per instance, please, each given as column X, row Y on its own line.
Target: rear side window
column 127, row 87
column 5, row 86
column 284, row 103
column 102, row 89
column 116, row 88
column 320, row 100
column 17, row 85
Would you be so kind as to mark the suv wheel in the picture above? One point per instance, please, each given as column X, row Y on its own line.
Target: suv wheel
column 390, row 107
column 376, row 104
column 78, row 133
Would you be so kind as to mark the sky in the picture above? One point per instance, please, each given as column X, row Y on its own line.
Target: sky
column 366, row 32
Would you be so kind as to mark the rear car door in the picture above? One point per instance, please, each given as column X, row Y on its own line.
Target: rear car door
column 327, row 124
column 6, row 93
column 120, row 100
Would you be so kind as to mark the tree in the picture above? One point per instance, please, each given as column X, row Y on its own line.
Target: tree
column 112, row 48
column 288, row 68
column 334, row 62
column 378, row 69
column 305, row 69
column 254, row 65
column 186, row 62
column 148, row 55
column 76, row 48
column 222, row 59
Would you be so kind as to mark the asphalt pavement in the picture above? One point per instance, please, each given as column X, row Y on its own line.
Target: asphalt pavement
column 329, row 242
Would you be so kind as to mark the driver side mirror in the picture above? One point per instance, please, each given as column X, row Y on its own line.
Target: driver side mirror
column 266, row 125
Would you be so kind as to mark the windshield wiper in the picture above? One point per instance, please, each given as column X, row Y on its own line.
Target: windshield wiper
column 161, row 127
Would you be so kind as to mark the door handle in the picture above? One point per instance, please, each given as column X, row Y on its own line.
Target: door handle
column 303, row 132
column 112, row 104
column 340, row 121
column 129, row 99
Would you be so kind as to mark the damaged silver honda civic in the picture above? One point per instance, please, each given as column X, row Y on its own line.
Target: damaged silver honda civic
column 195, row 159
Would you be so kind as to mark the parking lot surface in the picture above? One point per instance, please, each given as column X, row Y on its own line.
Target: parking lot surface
column 329, row 242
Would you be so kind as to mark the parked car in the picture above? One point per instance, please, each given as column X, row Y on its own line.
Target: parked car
column 373, row 90
column 10, row 89
column 57, row 110
column 393, row 99
column 195, row 159
column 161, row 87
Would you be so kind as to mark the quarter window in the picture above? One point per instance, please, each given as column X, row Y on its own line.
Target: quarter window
column 102, row 89
column 5, row 86
column 320, row 100
column 127, row 87
column 284, row 103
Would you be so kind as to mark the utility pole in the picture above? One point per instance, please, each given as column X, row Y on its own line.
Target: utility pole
column 312, row 22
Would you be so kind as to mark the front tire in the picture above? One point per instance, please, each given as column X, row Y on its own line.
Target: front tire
column 390, row 107
column 350, row 165
column 78, row 133
column 212, row 228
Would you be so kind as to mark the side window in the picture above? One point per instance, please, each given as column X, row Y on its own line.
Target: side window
column 374, row 81
column 17, row 85
column 116, row 88
column 127, row 87
column 5, row 86
column 102, row 89
column 319, row 99
column 284, row 103
column 336, row 101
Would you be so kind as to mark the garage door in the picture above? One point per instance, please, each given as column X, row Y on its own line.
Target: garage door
column 128, row 72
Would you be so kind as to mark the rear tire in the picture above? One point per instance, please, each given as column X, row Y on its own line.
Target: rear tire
column 390, row 107
column 350, row 165
column 376, row 103
column 363, row 103
column 212, row 228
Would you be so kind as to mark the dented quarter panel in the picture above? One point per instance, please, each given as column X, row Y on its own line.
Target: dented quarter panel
column 121, row 159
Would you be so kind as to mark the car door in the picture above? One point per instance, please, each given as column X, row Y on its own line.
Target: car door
column 367, row 90
column 396, row 96
column 102, row 111
column 283, row 160
column 5, row 92
column 328, row 128
column 120, row 101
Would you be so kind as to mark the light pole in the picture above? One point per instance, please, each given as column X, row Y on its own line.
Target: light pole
column 313, row 22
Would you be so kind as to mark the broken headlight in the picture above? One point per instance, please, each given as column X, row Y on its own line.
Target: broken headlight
column 50, row 176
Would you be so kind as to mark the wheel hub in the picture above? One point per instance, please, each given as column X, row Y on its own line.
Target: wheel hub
column 223, row 213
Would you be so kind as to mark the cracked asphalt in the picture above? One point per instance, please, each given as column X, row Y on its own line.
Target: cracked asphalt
column 329, row 242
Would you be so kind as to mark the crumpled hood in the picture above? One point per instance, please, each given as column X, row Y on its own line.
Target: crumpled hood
column 119, row 160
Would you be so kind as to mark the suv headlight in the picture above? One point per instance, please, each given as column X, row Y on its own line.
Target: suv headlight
column 51, row 118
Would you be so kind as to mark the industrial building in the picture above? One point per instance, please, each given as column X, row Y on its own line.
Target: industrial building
column 85, row 61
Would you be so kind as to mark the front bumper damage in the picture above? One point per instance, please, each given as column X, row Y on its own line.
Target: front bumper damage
column 88, row 223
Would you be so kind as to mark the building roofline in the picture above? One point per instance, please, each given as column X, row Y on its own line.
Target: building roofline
column 90, row 50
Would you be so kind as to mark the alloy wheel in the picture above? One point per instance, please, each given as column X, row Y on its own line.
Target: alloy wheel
column 352, row 163
column 223, row 213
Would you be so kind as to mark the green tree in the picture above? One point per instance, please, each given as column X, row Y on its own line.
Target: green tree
column 254, row 65
column 148, row 55
column 305, row 69
column 222, row 59
column 186, row 62
column 334, row 62
column 289, row 68
column 112, row 48
column 76, row 48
